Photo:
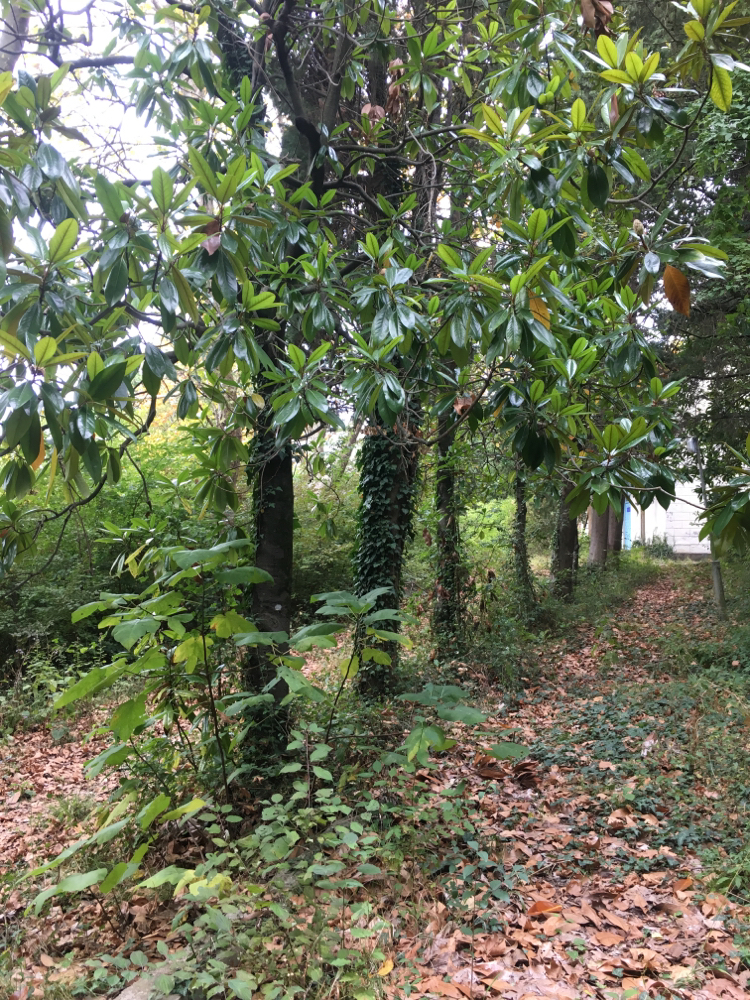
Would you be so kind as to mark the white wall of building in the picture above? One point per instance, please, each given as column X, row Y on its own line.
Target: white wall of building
column 679, row 524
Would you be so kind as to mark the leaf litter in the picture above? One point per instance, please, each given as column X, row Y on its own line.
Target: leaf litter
column 602, row 901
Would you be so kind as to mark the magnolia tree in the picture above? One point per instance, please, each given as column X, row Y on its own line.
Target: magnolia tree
column 425, row 216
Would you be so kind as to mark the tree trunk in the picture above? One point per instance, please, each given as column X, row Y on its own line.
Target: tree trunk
column 565, row 549
column 274, row 520
column 520, row 551
column 12, row 37
column 347, row 450
column 598, row 535
column 388, row 463
column 446, row 620
column 614, row 533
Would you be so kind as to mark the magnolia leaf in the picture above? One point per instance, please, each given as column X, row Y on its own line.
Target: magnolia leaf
column 607, row 50
column 677, row 290
column 65, row 236
column 597, row 185
column 40, row 457
column 44, row 351
column 578, row 114
column 539, row 310
column 721, row 89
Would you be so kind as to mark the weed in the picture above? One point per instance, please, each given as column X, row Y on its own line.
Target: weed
column 70, row 810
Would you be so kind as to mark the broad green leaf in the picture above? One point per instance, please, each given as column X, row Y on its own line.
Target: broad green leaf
column 449, row 256
column 721, row 89
column 128, row 716
column 95, row 680
column 616, row 76
column 190, row 807
column 162, row 189
column 45, row 350
column 578, row 114
column 109, row 199
column 173, row 875
column 637, row 164
column 127, row 633
column 63, row 240
column 607, row 50
column 650, row 66
column 107, row 382
column 633, row 66
column 296, row 356
column 73, row 883
column 148, row 814
column 243, row 575
column 241, row 989
column 537, row 223
column 202, row 171
column 94, row 364
column 117, row 281
column 6, row 85
column 597, row 185
column 462, row 713
column 493, row 120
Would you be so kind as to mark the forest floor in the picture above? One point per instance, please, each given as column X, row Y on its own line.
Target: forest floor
column 586, row 874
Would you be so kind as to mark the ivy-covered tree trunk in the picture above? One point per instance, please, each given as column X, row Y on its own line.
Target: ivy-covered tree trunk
column 388, row 467
column 565, row 549
column 446, row 621
column 524, row 578
column 598, row 537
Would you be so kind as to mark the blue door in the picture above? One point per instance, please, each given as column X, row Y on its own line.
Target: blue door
column 627, row 537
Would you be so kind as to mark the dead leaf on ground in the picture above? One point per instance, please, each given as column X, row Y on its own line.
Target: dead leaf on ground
column 543, row 906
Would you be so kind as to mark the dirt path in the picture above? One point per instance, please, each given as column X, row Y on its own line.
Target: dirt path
column 592, row 832
column 45, row 794
column 45, row 802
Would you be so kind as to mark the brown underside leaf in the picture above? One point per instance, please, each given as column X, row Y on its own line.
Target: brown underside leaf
column 677, row 290
column 539, row 310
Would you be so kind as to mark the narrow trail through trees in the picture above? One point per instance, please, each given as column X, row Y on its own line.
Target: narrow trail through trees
column 594, row 828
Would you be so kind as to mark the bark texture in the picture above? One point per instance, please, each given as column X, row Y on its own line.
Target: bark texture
column 520, row 549
column 598, row 538
column 15, row 28
column 614, row 532
column 274, row 553
column 565, row 550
